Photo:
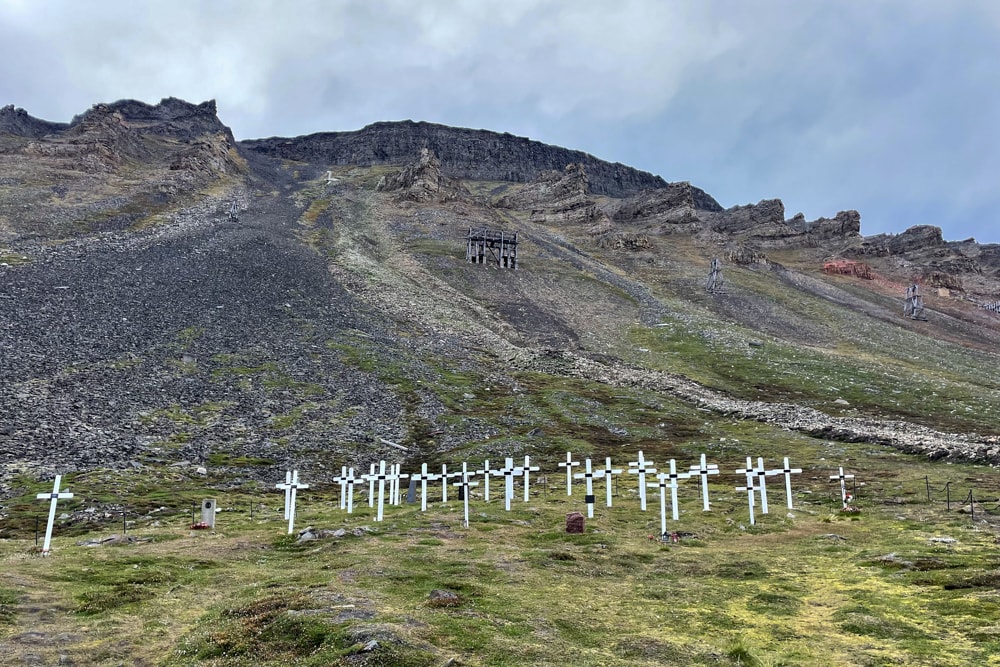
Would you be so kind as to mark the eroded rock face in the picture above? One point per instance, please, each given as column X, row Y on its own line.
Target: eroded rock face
column 422, row 181
column 17, row 122
column 464, row 153
column 559, row 198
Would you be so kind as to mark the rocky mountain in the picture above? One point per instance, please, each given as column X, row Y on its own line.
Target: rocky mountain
column 142, row 323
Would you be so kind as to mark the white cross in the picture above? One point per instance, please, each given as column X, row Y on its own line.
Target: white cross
column 843, row 487
column 588, row 475
column 640, row 468
column 464, row 483
column 371, row 485
column 342, row 481
column 661, row 481
column 397, row 477
column 349, row 481
column 569, row 465
column 762, row 476
column 288, row 490
column 749, row 488
column 508, row 472
column 291, row 487
column 485, row 472
column 423, row 477
column 705, row 469
column 381, row 477
column 445, row 476
column 528, row 468
column 607, row 473
column 674, row 477
column 788, row 472
column 53, row 498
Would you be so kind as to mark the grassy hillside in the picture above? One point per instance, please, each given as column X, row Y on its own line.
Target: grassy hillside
column 333, row 317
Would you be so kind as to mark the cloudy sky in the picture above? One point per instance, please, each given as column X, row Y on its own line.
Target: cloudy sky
column 890, row 107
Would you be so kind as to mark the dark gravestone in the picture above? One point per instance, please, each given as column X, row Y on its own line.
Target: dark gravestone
column 411, row 493
column 574, row 522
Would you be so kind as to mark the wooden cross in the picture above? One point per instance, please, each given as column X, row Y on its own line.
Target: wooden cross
column 350, row 481
column 674, row 478
column 508, row 472
column 445, row 475
column 371, row 485
column 607, row 472
column 762, row 475
column 54, row 497
column 291, row 487
column 485, row 472
column 749, row 488
column 464, row 485
column 423, row 477
column 642, row 467
column 381, row 477
column 288, row 490
column 397, row 477
column 569, row 465
column 664, row 485
column 843, row 487
column 788, row 472
column 588, row 474
column 342, row 481
column 705, row 469
column 528, row 468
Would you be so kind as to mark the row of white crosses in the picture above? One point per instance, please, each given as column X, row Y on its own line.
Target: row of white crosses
column 756, row 482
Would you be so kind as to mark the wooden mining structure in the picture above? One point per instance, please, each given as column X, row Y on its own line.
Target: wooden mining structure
column 494, row 247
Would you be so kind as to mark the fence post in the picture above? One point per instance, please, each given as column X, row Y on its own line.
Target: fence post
column 927, row 483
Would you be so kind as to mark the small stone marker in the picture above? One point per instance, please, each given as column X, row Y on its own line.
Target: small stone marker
column 788, row 472
column 291, row 487
column 574, row 522
column 411, row 491
column 642, row 467
column 843, row 487
column 208, row 506
column 704, row 470
column 588, row 475
column 569, row 464
column 423, row 477
column 528, row 469
column 54, row 497
column 485, row 472
column 463, row 490
column 607, row 472
column 749, row 488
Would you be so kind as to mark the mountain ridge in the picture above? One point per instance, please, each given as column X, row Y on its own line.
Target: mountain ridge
column 171, row 295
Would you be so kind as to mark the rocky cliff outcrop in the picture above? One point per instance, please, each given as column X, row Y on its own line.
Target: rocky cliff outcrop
column 422, row 181
column 464, row 153
column 17, row 122
column 98, row 141
column 171, row 117
column 559, row 198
